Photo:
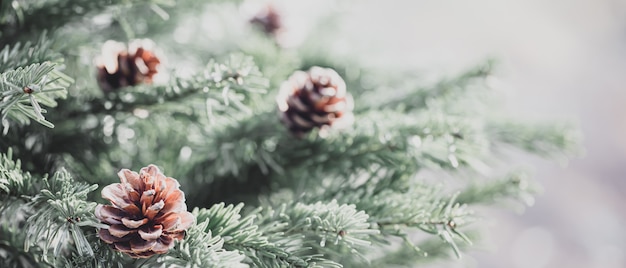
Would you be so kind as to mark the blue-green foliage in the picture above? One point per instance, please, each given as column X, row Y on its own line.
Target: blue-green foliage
column 397, row 188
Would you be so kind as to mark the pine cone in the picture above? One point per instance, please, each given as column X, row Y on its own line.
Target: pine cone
column 147, row 214
column 269, row 20
column 119, row 67
column 315, row 99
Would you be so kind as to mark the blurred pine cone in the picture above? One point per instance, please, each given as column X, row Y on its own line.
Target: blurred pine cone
column 269, row 20
column 147, row 214
column 315, row 99
column 119, row 67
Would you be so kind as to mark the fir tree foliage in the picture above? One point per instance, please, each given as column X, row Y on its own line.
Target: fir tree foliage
column 400, row 187
column 50, row 213
column 24, row 90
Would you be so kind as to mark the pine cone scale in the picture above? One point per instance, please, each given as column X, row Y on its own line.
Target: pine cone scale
column 178, row 235
column 334, row 107
column 173, row 222
column 149, row 175
column 325, row 119
column 325, row 94
column 131, row 178
column 146, row 200
column 147, row 179
column 109, row 214
column 154, row 209
column 301, row 122
column 134, row 223
column 141, row 245
column 123, row 247
column 119, row 230
column 106, row 236
column 161, row 247
column 174, row 202
column 297, row 104
column 116, row 194
column 153, row 233
column 167, row 189
column 186, row 220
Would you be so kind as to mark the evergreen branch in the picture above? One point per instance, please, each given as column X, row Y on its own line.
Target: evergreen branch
column 331, row 221
column 415, row 206
column 221, row 90
column 419, row 98
column 328, row 228
column 243, row 235
column 30, row 53
column 14, row 184
column 434, row 216
column 222, row 84
column 199, row 249
column 429, row 250
column 555, row 140
column 49, row 213
column 24, row 90
column 59, row 211
column 24, row 17
column 237, row 145
column 13, row 181
column 516, row 186
column 428, row 217
column 429, row 141
column 12, row 253
column 254, row 151
column 103, row 257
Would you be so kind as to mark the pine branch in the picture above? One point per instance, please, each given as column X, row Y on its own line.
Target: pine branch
column 256, row 150
column 428, row 250
column 48, row 215
column 13, row 181
column 199, row 249
column 559, row 140
column 261, row 249
column 24, row 90
column 30, row 53
column 14, row 184
column 393, row 217
column 398, row 204
column 103, row 257
column 329, row 228
column 96, row 127
column 421, row 97
column 12, row 253
column 230, row 83
column 415, row 207
column 515, row 186
column 59, row 210
column 25, row 17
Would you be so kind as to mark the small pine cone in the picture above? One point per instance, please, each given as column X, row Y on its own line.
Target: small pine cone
column 147, row 214
column 269, row 20
column 119, row 67
column 315, row 99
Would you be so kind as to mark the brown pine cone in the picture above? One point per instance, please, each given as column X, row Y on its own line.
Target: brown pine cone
column 147, row 214
column 119, row 67
column 269, row 20
column 315, row 99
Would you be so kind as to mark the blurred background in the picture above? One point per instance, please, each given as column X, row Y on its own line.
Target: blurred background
column 559, row 59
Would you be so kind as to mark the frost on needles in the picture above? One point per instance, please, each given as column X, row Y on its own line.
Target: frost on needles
column 402, row 183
